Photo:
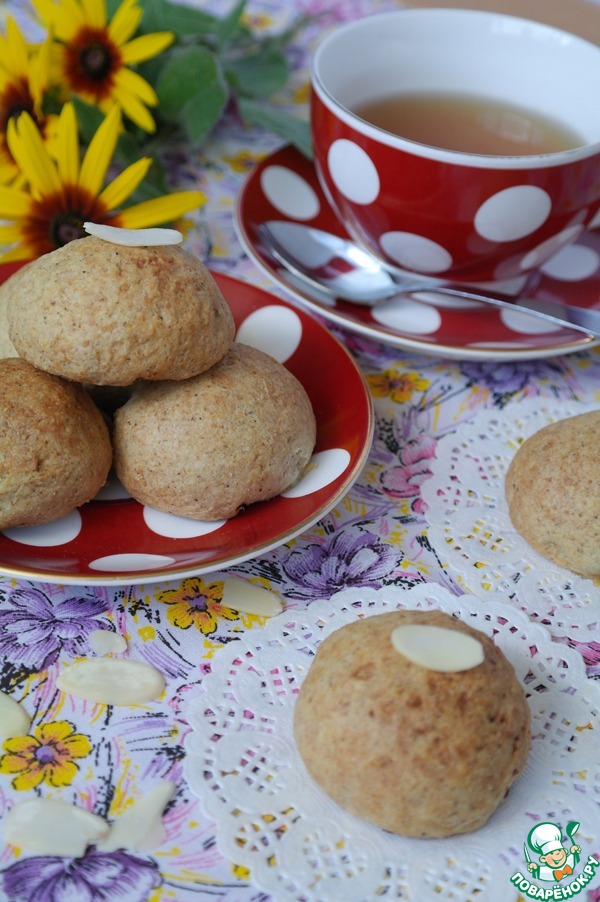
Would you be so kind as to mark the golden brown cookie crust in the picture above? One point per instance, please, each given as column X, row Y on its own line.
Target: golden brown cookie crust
column 553, row 492
column 55, row 450
column 417, row 752
column 241, row 432
column 102, row 313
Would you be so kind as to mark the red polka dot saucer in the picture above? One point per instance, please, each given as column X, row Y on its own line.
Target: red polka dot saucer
column 283, row 191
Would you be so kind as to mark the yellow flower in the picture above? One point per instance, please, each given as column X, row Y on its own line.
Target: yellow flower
column 65, row 193
column 195, row 603
column 95, row 54
column 46, row 757
column 399, row 386
column 24, row 77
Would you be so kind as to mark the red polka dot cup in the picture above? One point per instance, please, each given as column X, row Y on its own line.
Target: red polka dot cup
column 447, row 213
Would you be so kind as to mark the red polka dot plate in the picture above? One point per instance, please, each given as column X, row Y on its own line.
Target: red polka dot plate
column 283, row 191
column 114, row 539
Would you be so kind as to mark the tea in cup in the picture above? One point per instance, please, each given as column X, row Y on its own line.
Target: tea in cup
column 458, row 144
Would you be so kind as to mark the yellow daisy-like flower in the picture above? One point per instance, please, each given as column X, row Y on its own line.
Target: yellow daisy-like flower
column 46, row 757
column 195, row 603
column 65, row 193
column 398, row 386
column 95, row 54
column 24, row 78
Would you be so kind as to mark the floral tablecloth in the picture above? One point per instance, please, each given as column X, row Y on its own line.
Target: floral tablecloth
column 103, row 758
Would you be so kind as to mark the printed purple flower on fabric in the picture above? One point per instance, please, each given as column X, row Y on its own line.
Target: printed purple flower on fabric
column 34, row 629
column 350, row 559
column 506, row 378
column 95, row 877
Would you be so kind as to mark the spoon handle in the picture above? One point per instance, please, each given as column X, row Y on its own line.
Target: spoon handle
column 580, row 318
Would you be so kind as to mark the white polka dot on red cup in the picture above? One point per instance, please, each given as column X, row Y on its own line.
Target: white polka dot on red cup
column 573, row 263
column 47, row 535
column 353, row 172
column 275, row 329
column 551, row 246
column 415, row 252
column 289, row 193
column 513, row 213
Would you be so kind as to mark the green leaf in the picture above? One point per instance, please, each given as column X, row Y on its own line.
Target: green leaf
column 201, row 113
column 183, row 21
column 231, row 25
column 190, row 72
column 260, row 74
column 295, row 131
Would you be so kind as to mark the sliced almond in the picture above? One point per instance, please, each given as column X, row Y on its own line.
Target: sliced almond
column 140, row 828
column 14, row 719
column 133, row 237
column 52, row 827
column 437, row 648
column 105, row 642
column 112, row 681
column 250, row 598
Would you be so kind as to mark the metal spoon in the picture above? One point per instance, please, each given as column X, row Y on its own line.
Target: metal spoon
column 341, row 269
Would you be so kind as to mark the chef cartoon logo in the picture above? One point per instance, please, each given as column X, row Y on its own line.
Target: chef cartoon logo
column 554, row 858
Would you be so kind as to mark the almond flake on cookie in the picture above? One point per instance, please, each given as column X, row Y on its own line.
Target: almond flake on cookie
column 437, row 648
column 133, row 237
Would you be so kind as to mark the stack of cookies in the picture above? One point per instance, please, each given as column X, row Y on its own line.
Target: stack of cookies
column 199, row 425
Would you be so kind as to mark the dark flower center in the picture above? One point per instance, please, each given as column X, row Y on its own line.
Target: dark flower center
column 96, row 61
column 14, row 100
column 66, row 227
column 45, row 754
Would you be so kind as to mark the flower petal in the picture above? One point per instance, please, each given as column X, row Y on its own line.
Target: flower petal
column 61, row 774
column 95, row 13
column 146, row 46
column 100, row 151
column 129, row 82
column 54, row 731
column 160, row 210
column 77, row 746
column 10, row 233
column 27, row 147
column 29, row 779
column 133, row 108
column 67, row 145
column 63, row 19
column 13, row 203
column 125, row 184
column 125, row 21
column 15, row 56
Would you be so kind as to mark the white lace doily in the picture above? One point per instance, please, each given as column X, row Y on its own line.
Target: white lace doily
column 470, row 529
column 271, row 817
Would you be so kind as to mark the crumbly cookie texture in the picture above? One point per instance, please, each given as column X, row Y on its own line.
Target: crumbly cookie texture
column 55, row 449
column 553, row 492
column 100, row 313
column 241, row 432
column 413, row 750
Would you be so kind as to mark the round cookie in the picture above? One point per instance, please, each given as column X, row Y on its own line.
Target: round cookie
column 54, row 446
column 243, row 431
column 105, row 314
column 416, row 751
column 553, row 492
